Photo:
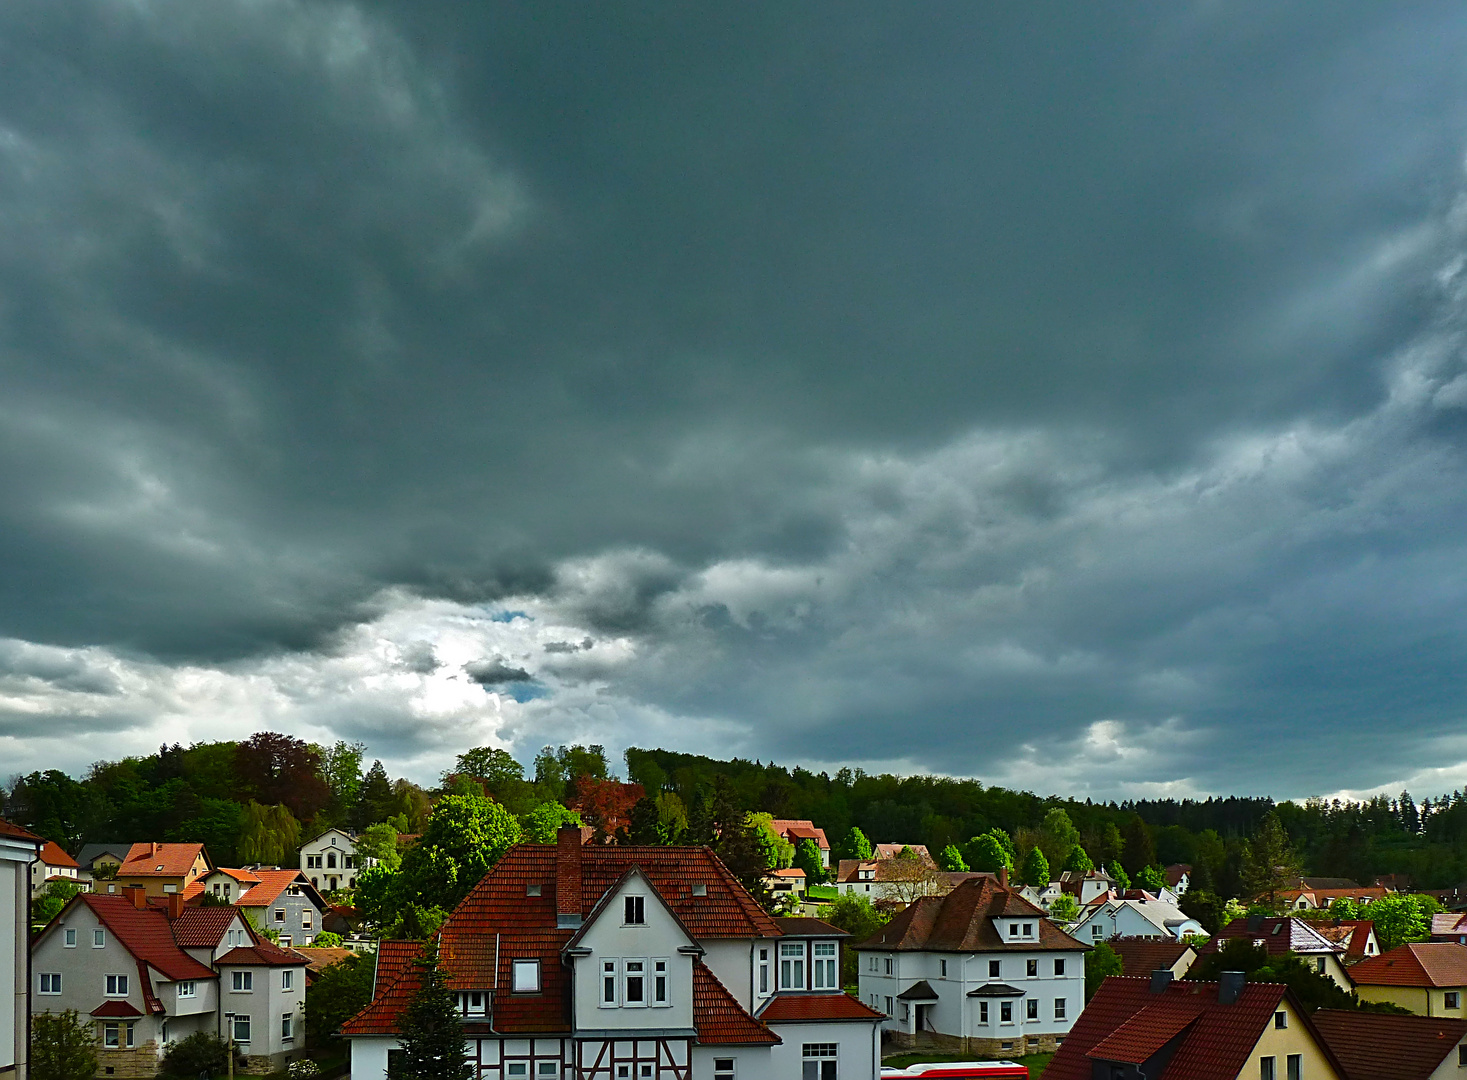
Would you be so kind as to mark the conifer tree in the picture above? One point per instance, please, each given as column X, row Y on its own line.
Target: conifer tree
column 432, row 1036
column 1269, row 860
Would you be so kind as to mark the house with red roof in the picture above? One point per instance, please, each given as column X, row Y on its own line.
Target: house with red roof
column 162, row 869
column 1143, row 955
column 981, row 970
column 1356, row 935
column 1386, row 1046
column 285, row 902
column 625, row 961
column 19, row 848
column 798, row 830
column 149, row 971
column 1427, row 977
column 1449, row 926
column 54, row 865
column 1283, row 934
column 1156, row 1028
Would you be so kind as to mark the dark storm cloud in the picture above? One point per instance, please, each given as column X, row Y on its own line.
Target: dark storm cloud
column 686, row 325
column 495, row 671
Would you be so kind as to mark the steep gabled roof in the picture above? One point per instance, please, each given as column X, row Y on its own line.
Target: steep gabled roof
column 1381, row 1046
column 263, row 953
column 390, row 998
column 1353, row 934
column 797, row 829
column 53, row 855
column 1279, row 934
column 1421, row 963
column 962, row 921
column 9, row 828
column 394, row 960
column 203, row 927
column 274, row 882
column 1158, row 913
column 244, row 877
column 718, row 1017
column 160, row 860
column 146, row 934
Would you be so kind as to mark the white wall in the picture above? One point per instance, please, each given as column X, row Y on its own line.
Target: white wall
column 859, row 1055
column 369, row 1057
column 15, row 858
column 732, row 961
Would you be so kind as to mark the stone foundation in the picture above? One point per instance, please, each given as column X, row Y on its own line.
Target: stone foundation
column 978, row 1048
column 139, row 1063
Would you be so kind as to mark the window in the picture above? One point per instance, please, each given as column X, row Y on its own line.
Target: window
column 280, row 914
column 1031, row 969
column 1462, row 1057
column 792, row 965
column 1267, row 1068
column 700, row 888
column 1031, row 1009
column 117, row 986
column 764, row 970
column 942, row 969
column 1294, row 1067
column 241, row 1028
column 285, row 1028
column 723, row 1069
column 533, row 890
column 287, row 979
column 50, row 982
column 825, row 974
column 525, row 976
column 1059, row 1008
column 1059, row 968
column 888, row 965
column 112, row 1036
column 551, row 1068
column 1096, row 930
column 1280, row 1020
column 170, row 888
column 608, row 982
column 1013, row 929
column 993, row 966
column 888, row 1007
column 187, row 988
column 634, row 909
column 71, row 939
column 517, row 1068
column 983, row 1012
column 331, row 860
column 472, row 1002
column 1453, row 999
column 634, row 982
column 1006, row 1012
column 1319, row 965
column 819, row 1061
column 659, row 982
column 99, row 938
column 1028, row 929
column 306, row 919
column 243, row 982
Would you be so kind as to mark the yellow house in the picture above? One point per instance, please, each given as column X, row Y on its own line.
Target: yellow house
column 1427, row 977
column 162, row 869
column 1387, row 1046
column 1158, row 1027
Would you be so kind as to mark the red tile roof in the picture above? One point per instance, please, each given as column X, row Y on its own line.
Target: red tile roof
column 1125, row 1019
column 796, row 829
column 1422, row 963
column 1353, row 934
column 962, row 921
column 271, row 884
column 1381, row 1046
column 160, row 860
column 388, row 1000
column 9, row 828
column 53, row 855
column 795, row 1008
column 261, row 954
column 1142, row 956
column 719, row 1018
column 145, row 934
column 246, row 877
column 116, row 1009
column 1279, row 934
column 394, row 960
column 203, row 927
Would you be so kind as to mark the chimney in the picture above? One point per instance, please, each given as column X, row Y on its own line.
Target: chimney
column 568, row 877
column 137, row 894
column 152, row 847
column 1003, row 877
column 1229, row 986
column 1161, row 978
column 175, row 906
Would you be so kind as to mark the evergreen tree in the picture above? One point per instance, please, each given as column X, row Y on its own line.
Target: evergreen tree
column 432, row 1035
column 644, row 825
column 738, row 843
column 1138, row 849
column 374, row 803
column 1410, row 819
column 1269, row 860
column 807, row 858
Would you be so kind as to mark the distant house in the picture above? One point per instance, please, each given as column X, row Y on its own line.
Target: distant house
column 1319, row 899
column 18, row 850
column 1449, row 926
column 1179, row 877
column 1158, row 1029
column 1285, row 934
column 1086, row 887
column 1142, row 956
column 329, row 860
column 797, row 831
column 787, row 882
column 1395, row 882
column 1382, row 1046
column 161, row 869
column 892, row 879
column 53, row 865
column 228, row 882
column 1427, row 977
column 1356, row 935
column 1136, row 918
column 318, row 960
column 99, row 861
column 891, row 851
column 285, row 902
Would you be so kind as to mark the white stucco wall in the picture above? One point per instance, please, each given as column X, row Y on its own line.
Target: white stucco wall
column 858, row 1054
column 15, row 860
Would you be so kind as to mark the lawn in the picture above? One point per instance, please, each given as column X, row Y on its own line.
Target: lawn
column 1035, row 1062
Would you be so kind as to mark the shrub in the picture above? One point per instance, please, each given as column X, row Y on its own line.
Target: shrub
column 326, row 940
column 201, row 1054
column 62, row 1047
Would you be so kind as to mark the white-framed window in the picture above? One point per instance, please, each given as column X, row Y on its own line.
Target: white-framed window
column 241, row 1028
column 993, row 969
column 1013, row 929
column 1452, row 999
column 825, row 964
column 888, row 1007
column 472, row 1002
column 50, row 982
column 284, row 941
column 872, row 963
column 287, row 979
column 525, row 976
column 659, row 982
column 1059, row 1008
column 1028, row 929
column 116, row 985
column 818, row 1061
column 634, row 983
column 1031, row 1009
column 187, row 988
column 1031, row 969
column 552, row 1068
column 1294, row 1067
column 1006, row 1012
column 280, row 914
column 170, row 888
column 723, row 1069
column 609, row 983
column 1268, row 1068
column 983, row 1012
column 286, row 1025
column 242, row 982
column 117, row 1036
column 517, row 1068
column 764, row 970
column 888, row 965
column 634, row 910
column 306, row 919
column 99, row 938
column 1280, row 1020
column 792, row 965
column 70, row 938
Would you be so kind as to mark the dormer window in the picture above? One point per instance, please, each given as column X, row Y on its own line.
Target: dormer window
column 635, row 910
column 526, row 976
column 472, row 1003
column 1013, row 929
column 1028, row 929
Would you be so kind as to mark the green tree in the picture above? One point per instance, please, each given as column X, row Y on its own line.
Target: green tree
column 739, row 842
column 466, row 835
column 1118, row 874
column 1269, row 860
column 53, row 898
column 491, row 766
column 1100, row 962
column 202, row 1053
column 642, row 827
column 856, row 845
column 951, row 859
column 62, row 1047
column 1206, row 907
column 779, row 851
column 1058, row 836
column 1064, row 908
column 672, row 817
column 375, row 802
column 1344, row 908
column 379, row 842
column 1106, row 845
column 1139, row 848
column 271, row 834
column 1401, row 918
column 1036, row 869
column 991, row 852
column 1313, row 989
column 337, row 994
column 431, row 1037
column 1152, row 879
column 341, row 768
column 542, row 823
column 858, row 917
column 807, row 858
column 326, row 940
column 1079, row 862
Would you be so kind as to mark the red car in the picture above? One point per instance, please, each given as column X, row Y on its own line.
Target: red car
column 960, row 1070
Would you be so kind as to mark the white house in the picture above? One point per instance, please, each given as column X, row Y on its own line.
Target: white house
column 330, row 861
column 19, row 848
column 54, row 865
column 980, row 969
column 1137, row 919
column 629, row 962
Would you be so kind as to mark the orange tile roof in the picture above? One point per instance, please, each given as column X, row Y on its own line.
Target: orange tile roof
column 962, row 921
column 797, row 829
column 262, row 953
column 1381, row 1046
column 394, row 960
column 389, row 999
column 1421, row 963
column 1351, row 933
column 271, row 884
column 9, row 828
column 319, row 959
column 719, row 1018
column 805, row 1008
column 53, row 855
column 246, row 877
column 146, row 934
column 160, row 860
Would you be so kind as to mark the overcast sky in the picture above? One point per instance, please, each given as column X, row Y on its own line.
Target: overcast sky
column 1068, row 395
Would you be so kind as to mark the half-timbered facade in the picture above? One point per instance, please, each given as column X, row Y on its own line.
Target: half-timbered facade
column 628, row 963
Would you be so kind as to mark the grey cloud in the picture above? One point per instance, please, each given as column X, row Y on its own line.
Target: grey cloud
column 494, row 672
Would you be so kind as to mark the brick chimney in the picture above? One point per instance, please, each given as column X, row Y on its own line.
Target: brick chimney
column 568, row 877
column 137, row 894
column 1003, row 877
column 175, row 906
